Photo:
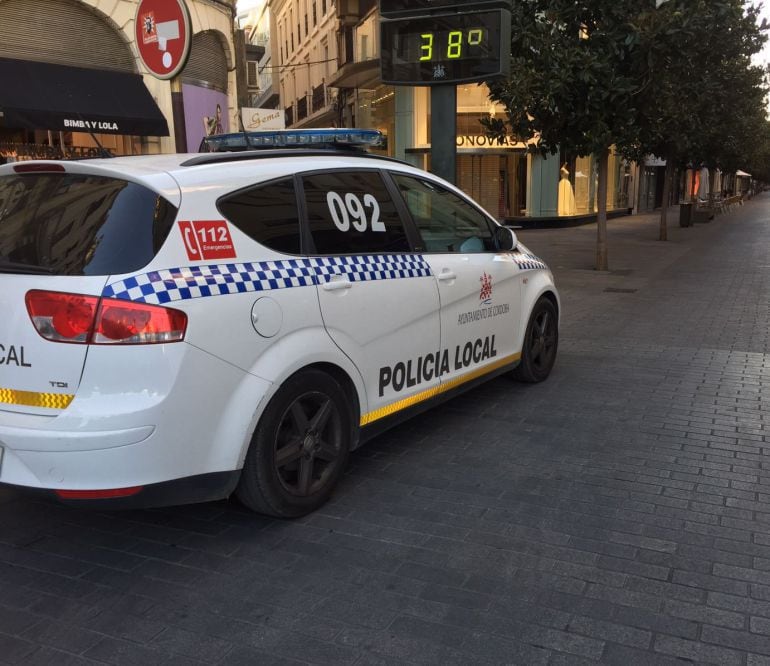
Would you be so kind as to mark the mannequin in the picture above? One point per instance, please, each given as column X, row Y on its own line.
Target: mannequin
column 566, row 195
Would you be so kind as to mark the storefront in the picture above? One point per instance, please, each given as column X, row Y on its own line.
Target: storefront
column 505, row 179
column 75, row 86
column 493, row 173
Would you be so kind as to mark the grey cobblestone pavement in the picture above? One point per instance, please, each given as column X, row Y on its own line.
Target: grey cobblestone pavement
column 618, row 513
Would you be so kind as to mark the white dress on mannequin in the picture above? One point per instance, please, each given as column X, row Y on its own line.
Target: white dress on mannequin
column 566, row 195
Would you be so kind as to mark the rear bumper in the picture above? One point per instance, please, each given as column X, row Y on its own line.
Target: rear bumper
column 190, row 490
column 140, row 418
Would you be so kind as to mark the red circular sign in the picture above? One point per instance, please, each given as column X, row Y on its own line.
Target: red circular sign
column 163, row 35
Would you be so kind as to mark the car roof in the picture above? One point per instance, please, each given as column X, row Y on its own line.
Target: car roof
column 166, row 173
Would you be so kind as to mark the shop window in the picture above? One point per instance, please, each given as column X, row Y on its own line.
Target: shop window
column 352, row 213
column 267, row 214
column 446, row 222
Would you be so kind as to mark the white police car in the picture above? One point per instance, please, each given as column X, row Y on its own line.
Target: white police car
column 176, row 328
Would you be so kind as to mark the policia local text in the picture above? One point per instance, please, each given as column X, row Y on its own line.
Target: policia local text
column 411, row 373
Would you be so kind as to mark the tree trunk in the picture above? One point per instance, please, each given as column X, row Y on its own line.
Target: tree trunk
column 663, row 235
column 601, row 214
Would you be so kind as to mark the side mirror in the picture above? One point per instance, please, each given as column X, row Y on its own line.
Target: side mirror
column 506, row 239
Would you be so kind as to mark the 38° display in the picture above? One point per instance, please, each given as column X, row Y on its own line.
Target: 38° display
column 448, row 48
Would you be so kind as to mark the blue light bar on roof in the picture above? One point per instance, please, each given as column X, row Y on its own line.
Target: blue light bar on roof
column 296, row 138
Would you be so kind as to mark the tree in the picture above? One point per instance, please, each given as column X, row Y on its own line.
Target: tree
column 573, row 83
column 701, row 102
column 673, row 79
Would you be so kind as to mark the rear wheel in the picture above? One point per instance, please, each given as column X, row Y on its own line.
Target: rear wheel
column 299, row 449
column 541, row 341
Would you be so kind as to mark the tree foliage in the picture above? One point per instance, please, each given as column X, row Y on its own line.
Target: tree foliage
column 702, row 102
column 572, row 82
column 674, row 81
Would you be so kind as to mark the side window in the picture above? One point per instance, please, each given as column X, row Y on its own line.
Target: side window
column 447, row 223
column 266, row 213
column 353, row 213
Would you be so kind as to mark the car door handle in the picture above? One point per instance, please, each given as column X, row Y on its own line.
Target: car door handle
column 447, row 275
column 335, row 285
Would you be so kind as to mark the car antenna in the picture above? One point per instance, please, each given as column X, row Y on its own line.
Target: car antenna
column 102, row 150
column 249, row 145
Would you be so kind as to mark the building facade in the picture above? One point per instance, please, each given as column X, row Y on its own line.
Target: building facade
column 261, row 80
column 304, row 46
column 63, row 61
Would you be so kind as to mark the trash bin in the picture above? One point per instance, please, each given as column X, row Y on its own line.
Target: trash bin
column 685, row 214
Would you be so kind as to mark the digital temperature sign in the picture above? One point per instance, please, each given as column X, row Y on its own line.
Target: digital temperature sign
column 445, row 48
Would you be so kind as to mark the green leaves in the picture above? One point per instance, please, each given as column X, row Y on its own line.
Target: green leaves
column 676, row 80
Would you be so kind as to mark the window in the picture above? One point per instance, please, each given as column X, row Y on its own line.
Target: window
column 79, row 224
column 325, row 48
column 315, row 14
column 446, row 222
column 353, row 213
column 323, row 7
column 252, row 73
column 267, row 214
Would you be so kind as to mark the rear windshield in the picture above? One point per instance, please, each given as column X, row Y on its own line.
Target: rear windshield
column 76, row 224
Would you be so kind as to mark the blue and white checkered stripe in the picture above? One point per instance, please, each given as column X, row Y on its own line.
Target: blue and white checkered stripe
column 371, row 267
column 179, row 284
column 528, row 261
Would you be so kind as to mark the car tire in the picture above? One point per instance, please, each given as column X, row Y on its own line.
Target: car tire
column 299, row 448
column 541, row 341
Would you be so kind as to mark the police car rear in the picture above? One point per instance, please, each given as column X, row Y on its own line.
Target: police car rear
column 65, row 227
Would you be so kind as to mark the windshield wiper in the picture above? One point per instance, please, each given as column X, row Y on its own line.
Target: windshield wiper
column 29, row 269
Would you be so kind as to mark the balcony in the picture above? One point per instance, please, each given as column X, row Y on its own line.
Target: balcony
column 360, row 58
column 320, row 98
column 316, row 109
column 301, row 108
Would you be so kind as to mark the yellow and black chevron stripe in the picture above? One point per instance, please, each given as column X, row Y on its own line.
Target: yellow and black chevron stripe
column 436, row 391
column 34, row 399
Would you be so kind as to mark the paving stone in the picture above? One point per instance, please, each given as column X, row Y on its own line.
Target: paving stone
column 15, row 650
column 697, row 651
column 63, row 636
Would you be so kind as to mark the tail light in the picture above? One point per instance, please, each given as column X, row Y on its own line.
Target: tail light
column 124, row 322
column 62, row 317
column 109, row 493
column 79, row 319
column 38, row 167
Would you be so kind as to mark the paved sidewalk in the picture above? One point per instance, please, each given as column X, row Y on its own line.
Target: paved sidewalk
column 617, row 513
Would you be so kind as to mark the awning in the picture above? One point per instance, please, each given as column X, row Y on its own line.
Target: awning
column 742, row 173
column 39, row 95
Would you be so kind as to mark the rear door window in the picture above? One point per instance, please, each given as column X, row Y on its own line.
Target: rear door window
column 352, row 212
column 78, row 224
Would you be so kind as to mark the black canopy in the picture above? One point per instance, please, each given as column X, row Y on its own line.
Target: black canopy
column 41, row 95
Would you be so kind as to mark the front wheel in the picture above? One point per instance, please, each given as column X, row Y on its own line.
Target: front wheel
column 299, row 448
column 541, row 341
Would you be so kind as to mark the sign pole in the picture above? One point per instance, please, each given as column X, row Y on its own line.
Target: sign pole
column 177, row 111
column 443, row 131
